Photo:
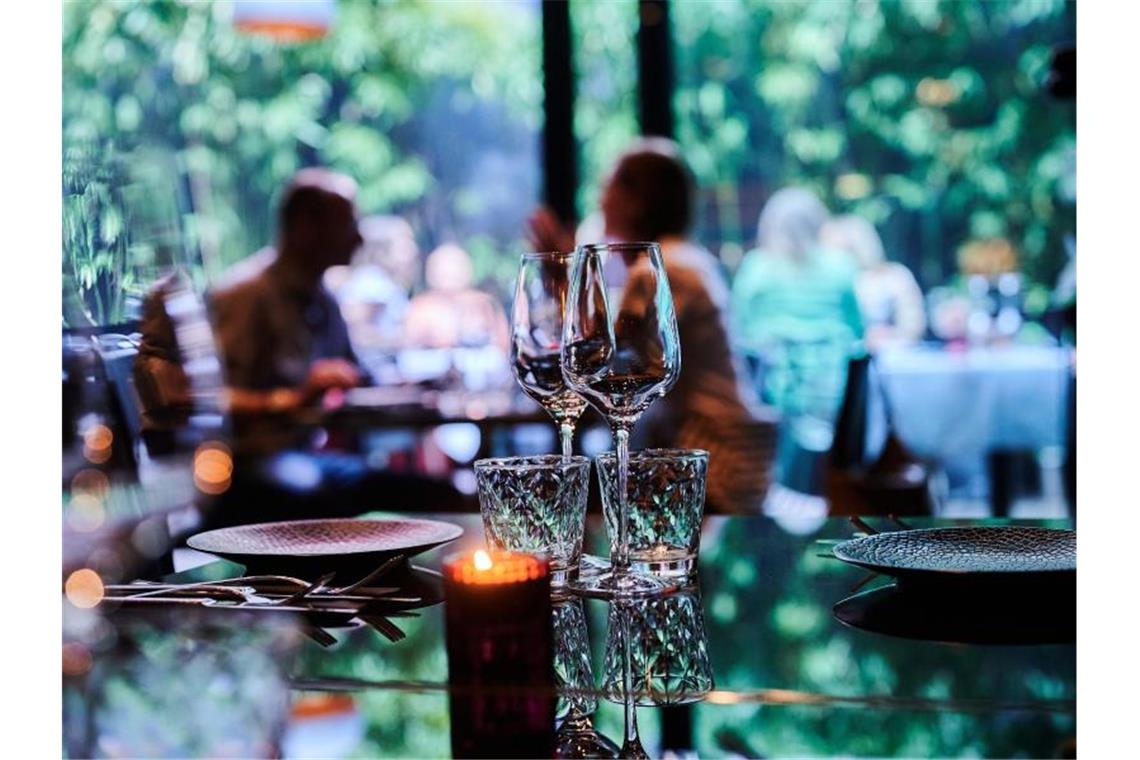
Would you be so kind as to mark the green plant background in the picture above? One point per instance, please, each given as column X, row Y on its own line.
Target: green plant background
column 927, row 116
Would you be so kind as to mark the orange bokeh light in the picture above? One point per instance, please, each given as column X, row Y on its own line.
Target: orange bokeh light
column 76, row 659
column 84, row 588
column 90, row 482
column 213, row 468
column 97, row 444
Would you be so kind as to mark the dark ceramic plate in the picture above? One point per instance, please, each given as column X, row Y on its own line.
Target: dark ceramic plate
column 309, row 548
column 969, row 618
column 997, row 554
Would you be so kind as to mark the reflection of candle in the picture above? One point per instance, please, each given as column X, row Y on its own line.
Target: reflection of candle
column 499, row 637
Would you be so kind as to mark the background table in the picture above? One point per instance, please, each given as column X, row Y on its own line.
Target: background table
column 957, row 407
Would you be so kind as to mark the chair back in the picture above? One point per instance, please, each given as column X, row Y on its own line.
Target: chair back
column 801, row 366
column 895, row 483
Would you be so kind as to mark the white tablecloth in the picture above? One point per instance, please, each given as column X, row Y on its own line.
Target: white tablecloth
column 954, row 407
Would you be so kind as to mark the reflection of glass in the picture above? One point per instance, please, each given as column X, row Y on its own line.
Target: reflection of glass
column 536, row 504
column 620, row 633
column 536, row 339
column 621, row 351
column 665, row 502
column 574, row 678
column 667, row 650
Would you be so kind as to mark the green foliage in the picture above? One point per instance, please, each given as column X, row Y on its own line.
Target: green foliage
column 229, row 116
column 605, row 68
column 929, row 117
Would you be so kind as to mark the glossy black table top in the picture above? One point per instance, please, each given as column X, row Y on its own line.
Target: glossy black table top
column 790, row 678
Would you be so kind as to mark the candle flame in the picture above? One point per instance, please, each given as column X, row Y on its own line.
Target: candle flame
column 482, row 560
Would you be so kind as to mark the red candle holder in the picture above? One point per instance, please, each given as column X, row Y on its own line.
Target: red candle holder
column 499, row 655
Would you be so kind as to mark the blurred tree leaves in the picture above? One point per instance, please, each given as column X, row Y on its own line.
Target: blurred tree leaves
column 926, row 115
column 230, row 116
column 929, row 116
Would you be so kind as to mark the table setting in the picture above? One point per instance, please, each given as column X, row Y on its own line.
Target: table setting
column 678, row 592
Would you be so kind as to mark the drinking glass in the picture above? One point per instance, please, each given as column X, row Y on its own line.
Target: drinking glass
column 536, row 339
column 536, row 504
column 620, row 351
column 664, row 505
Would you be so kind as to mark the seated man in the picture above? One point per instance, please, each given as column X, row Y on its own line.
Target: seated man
column 283, row 343
column 281, row 335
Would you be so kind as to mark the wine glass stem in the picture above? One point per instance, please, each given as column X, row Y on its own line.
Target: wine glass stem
column 566, row 435
column 631, row 746
column 620, row 554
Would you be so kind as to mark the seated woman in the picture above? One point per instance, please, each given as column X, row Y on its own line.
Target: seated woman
column 889, row 297
column 794, row 305
column 650, row 196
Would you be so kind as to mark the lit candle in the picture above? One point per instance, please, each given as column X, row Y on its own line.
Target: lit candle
column 499, row 655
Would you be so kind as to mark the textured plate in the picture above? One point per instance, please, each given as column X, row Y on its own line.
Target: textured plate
column 311, row 547
column 997, row 554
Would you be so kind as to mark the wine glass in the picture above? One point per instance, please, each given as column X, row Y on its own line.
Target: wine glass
column 620, row 351
column 536, row 339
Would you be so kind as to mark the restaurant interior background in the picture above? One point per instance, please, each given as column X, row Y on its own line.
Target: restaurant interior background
column 942, row 123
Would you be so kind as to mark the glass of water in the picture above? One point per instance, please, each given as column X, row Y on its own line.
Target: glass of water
column 665, row 503
column 536, row 504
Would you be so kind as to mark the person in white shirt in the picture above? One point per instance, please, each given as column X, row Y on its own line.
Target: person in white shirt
column 890, row 299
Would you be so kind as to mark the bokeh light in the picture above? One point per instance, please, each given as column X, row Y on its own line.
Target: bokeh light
column 85, row 512
column 213, row 468
column 97, row 442
column 936, row 93
column 91, row 482
column 76, row 659
column 84, row 588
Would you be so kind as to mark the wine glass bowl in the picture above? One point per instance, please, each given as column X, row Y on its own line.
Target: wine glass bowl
column 536, row 338
column 620, row 337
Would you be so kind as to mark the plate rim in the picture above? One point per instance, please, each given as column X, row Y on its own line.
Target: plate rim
column 839, row 552
column 325, row 520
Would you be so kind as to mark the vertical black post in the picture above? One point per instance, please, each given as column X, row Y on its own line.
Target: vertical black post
column 559, row 149
column 677, row 728
column 655, row 69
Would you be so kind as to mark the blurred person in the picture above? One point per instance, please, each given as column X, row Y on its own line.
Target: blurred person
column 372, row 300
column 790, row 277
column 650, row 196
column 282, row 338
column 890, row 300
column 795, row 309
column 452, row 313
column 283, row 344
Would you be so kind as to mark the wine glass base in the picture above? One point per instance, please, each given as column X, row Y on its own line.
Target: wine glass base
column 577, row 738
column 611, row 585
